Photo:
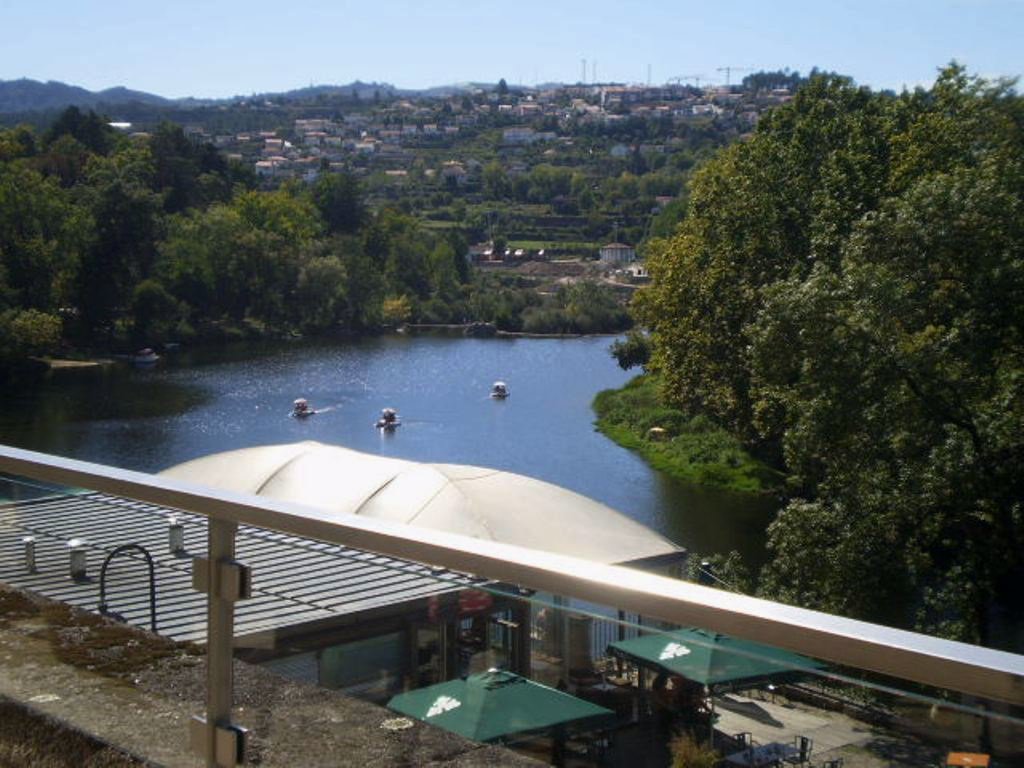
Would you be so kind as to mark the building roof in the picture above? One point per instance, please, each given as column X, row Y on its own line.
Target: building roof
column 297, row 583
column 472, row 501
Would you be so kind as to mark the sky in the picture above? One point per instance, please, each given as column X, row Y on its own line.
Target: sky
column 223, row 48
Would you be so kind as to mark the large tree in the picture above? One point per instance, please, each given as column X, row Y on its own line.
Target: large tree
column 339, row 199
column 848, row 286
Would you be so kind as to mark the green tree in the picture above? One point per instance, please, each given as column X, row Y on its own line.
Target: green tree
column 64, row 158
column 188, row 174
column 495, row 180
column 395, row 311
column 89, row 129
column 41, row 235
column 18, row 142
column 444, row 275
column 631, row 352
column 320, row 293
column 340, row 202
column 848, row 286
column 127, row 224
column 27, row 332
column 154, row 311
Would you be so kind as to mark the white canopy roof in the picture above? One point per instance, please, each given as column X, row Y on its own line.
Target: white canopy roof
column 472, row 501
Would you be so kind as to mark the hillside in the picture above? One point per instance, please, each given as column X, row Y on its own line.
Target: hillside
column 27, row 95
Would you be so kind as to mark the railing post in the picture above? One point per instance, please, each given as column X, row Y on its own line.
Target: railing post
column 220, row 635
column 220, row 742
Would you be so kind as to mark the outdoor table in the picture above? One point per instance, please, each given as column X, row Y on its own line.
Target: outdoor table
column 969, row 759
column 766, row 754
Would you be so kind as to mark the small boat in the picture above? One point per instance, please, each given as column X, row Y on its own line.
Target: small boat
column 145, row 356
column 301, row 409
column 499, row 390
column 388, row 420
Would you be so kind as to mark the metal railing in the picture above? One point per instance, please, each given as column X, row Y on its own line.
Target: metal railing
column 969, row 669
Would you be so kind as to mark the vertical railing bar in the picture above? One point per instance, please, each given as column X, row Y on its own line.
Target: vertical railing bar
column 220, row 631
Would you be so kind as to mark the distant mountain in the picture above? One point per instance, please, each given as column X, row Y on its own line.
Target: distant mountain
column 313, row 92
column 29, row 95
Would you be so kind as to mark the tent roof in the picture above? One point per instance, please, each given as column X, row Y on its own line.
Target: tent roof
column 493, row 704
column 711, row 658
column 472, row 501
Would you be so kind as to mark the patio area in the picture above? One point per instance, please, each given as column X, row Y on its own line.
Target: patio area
column 834, row 735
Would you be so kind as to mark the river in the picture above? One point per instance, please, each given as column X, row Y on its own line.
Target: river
column 193, row 403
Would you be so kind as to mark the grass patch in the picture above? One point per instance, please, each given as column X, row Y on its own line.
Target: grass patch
column 14, row 606
column 693, row 449
column 92, row 642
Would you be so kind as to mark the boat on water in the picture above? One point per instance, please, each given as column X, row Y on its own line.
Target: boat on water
column 388, row 420
column 145, row 356
column 499, row 390
column 301, row 408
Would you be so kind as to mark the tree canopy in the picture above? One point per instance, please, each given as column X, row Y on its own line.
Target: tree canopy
column 847, row 289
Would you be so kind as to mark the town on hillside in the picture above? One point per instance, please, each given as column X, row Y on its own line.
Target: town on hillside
column 547, row 181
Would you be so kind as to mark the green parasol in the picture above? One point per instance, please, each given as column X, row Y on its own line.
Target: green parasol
column 494, row 704
column 711, row 658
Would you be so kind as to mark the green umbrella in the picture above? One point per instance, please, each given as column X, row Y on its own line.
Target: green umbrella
column 493, row 704
column 711, row 658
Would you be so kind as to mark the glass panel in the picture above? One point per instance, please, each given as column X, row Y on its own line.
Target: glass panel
column 686, row 691
column 370, row 668
column 376, row 627
column 14, row 488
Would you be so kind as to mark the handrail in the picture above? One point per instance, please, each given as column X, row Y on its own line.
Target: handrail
column 104, row 608
column 970, row 669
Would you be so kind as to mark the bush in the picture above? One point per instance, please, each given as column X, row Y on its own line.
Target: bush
column 688, row 753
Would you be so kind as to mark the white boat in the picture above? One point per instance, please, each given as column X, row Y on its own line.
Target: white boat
column 301, row 409
column 145, row 356
column 388, row 420
column 499, row 390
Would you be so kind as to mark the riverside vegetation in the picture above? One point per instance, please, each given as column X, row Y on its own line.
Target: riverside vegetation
column 692, row 448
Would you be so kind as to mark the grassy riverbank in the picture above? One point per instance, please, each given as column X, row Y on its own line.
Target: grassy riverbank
column 692, row 449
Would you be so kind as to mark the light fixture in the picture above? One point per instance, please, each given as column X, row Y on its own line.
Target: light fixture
column 175, row 535
column 30, row 553
column 78, row 559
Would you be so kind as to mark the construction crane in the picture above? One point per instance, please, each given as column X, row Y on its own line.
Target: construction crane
column 729, row 70
column 682, row 78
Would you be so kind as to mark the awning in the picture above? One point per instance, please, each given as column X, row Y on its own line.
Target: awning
column 711, row 658
column 494, row 704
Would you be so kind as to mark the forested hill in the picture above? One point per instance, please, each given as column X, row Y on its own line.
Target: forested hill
column 30, row 95
column 116, row 242
column 847, row 291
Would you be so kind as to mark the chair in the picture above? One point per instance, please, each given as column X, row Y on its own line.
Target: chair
column 803, row 750
column 743, row 740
